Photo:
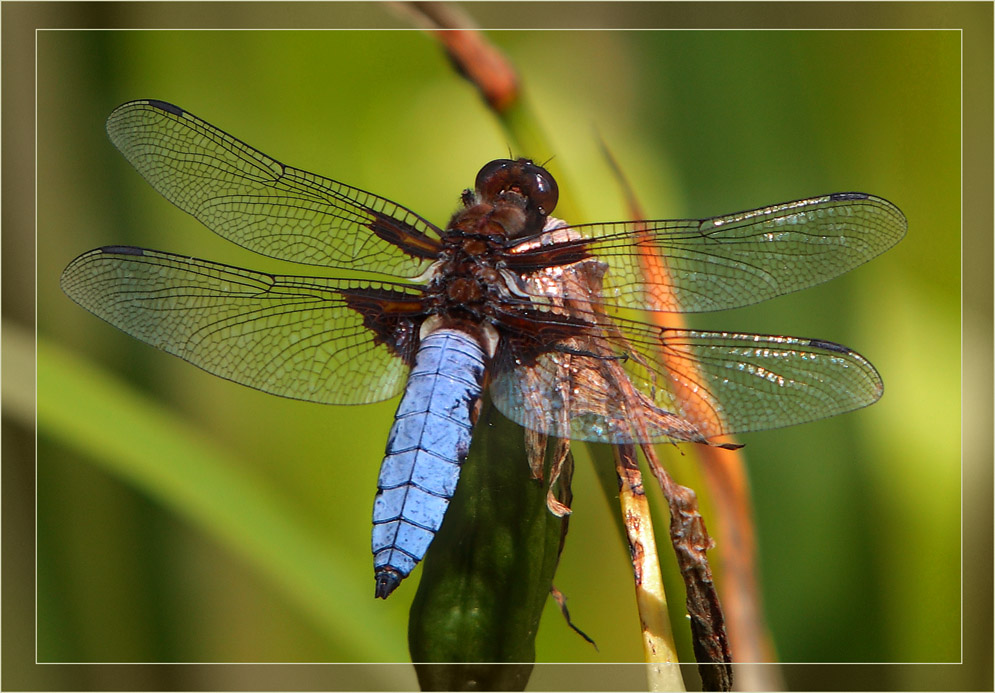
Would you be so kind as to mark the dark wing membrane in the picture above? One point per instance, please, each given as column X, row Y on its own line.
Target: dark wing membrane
column 263, row 205
column 649, row 384
column 693, row 266
column 298, row 337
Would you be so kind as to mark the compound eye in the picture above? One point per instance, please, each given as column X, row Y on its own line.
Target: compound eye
column 492, row 177
column 543, row 192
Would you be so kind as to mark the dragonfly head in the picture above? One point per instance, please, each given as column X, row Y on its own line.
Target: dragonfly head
column 506, row 179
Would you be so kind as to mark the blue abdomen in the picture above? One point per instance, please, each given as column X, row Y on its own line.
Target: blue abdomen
column 427, row 444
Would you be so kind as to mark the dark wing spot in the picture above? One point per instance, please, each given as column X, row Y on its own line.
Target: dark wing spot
column 122, row 250
column 829, row 346
column 163, row 106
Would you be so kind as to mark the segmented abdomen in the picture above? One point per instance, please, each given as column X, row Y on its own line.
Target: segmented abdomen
column 427, row 444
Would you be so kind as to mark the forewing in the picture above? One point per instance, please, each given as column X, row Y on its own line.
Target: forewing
column 309, row 338
column 691, row 266
column 263, row 205
column 639, row 383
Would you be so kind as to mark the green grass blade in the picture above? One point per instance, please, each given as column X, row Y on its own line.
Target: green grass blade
column 154, row 451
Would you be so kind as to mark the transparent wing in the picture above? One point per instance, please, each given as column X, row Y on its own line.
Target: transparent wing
column 640, row 383
column 263, row 205
column 698, row 265
column 307, row 338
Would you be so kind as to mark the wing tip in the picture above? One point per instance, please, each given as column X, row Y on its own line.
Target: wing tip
column 80, row 260
column 902, row 223
column 871, row 372
column 121, row 119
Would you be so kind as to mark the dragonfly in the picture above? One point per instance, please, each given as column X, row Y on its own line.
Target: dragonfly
column 546, row 316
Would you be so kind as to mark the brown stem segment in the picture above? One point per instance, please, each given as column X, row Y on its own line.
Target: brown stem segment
column 725, row 476
column 471, row 54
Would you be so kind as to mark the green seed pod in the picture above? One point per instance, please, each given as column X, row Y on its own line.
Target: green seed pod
column 489, row 571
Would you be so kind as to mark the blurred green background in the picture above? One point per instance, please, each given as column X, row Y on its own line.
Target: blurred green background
column 858, row 517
